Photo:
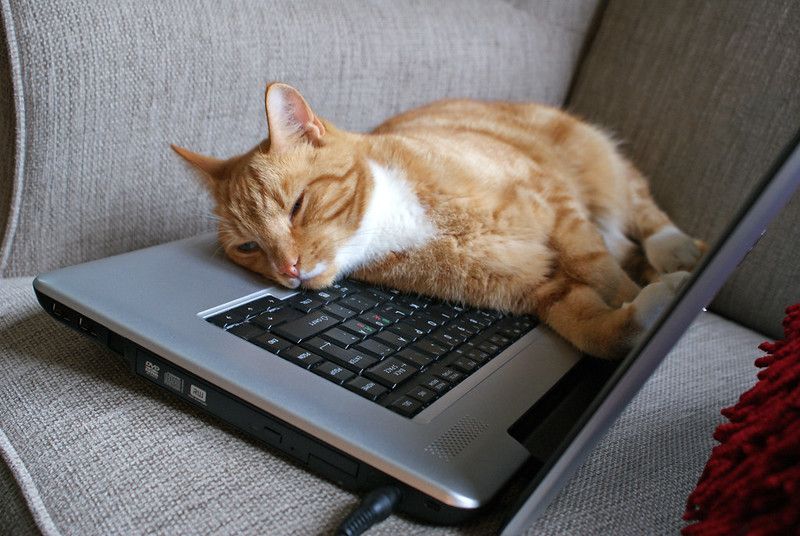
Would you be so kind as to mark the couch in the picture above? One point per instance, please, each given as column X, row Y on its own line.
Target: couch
column 702, row 94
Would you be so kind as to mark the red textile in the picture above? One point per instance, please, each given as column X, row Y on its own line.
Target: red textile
column 751, row 483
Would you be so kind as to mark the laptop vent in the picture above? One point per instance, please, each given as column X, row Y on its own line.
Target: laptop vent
column 456, row 439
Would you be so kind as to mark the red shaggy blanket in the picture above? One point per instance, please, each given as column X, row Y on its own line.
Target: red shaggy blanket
column 751, row 483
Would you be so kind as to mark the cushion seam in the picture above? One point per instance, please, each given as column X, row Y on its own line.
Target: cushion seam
column 20, row 133
column 27, row 487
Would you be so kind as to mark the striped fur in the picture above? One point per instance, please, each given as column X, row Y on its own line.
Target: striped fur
column 516, row 207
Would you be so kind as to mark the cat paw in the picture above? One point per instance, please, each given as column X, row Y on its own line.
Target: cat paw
column 671, row 250
column 654, row 298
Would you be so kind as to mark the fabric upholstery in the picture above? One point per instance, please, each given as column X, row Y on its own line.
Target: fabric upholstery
column 110, row 454
column 704, row 95
column 107, row 86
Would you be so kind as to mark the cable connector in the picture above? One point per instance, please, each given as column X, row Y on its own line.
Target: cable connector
column 374, row 508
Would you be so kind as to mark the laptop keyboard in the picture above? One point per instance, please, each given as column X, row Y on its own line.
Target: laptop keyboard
column 397, row 350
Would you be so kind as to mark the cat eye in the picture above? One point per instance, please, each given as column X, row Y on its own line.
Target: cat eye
column 247, row 247
column 297, row 205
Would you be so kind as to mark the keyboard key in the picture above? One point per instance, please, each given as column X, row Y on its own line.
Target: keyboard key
column 469, row 351
column 391, row 372
column 256, row 307
column 430, row 348
column 443, row 312
column 406, row 331
column 397, row 309
column 227, row 319
column 378, row 295
column 326, row 296
column 376, row 348
column 422, row 325
column 448, row 374
column 465, row 365
column 415, row 358
column 346, row 287
column 393, row 340
column 333, row 372
column 340, row 337
column 351, row 358
column 358, row 327
column 276, row 316
column 499, row 340
column 489, row 348
column 306, row 326
column 246, row 331
column 408, row 407
column 376, row 319
column 358, row 302
column 457, row 332
column 462, row 323
column 478, row 319
column 300, row 356
column 304, row 303
column 434, row 383
column 445, row 339
column 424, row 395
column 415, row 302
column 337, row 310
column 271, row 342
column 366, row 388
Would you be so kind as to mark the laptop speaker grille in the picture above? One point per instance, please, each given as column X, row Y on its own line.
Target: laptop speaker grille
column 457, row 438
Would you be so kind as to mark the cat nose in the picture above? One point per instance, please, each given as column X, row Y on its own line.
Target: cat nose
column 290, row 268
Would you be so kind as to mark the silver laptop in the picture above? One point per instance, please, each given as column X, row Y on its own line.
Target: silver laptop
column 370, row 387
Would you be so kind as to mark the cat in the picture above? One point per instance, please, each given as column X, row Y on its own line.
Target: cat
column 517, row 207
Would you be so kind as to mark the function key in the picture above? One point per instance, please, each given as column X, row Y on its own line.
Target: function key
column 406, row 406
column 366, row 388
column 300, row 356
column 414, row 302
column 271, row 342
column 333, row 372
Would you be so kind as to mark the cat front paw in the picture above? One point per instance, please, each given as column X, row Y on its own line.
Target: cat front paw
column 671, row 250
column 654, row 298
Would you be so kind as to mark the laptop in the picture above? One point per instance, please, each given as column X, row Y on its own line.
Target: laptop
column 370, row 387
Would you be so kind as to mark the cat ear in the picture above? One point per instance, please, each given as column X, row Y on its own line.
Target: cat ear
column 290, row 118
column 213, row 169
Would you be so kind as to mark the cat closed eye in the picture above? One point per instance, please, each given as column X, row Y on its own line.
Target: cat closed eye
column 297, row 205
column 247, row 247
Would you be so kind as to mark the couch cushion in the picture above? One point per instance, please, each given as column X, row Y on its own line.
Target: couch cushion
column 109, row 453
column 105, row 87
column 704, row 94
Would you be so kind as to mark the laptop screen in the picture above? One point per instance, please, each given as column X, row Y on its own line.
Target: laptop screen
column 730, row 232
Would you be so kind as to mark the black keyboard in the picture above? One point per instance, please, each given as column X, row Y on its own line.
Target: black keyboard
column 397, row 350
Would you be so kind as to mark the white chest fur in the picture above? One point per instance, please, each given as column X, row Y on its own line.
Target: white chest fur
column 394, row 221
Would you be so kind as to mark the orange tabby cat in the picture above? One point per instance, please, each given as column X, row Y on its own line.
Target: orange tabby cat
column 516, row 207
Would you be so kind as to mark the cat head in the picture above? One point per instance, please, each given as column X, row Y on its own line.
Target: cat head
column 288, row 206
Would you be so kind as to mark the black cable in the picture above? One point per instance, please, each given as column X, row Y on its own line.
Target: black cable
column 375, row 507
